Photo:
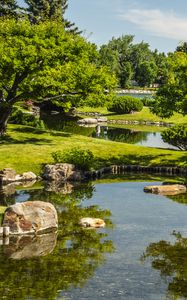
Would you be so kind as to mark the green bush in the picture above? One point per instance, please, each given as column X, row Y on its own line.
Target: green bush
column 125, row 104
column 148, row 101
column 82, row 159
column 176, row 136
column 22, row 118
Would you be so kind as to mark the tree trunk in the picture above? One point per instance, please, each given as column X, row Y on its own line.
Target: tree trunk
column 5, row 111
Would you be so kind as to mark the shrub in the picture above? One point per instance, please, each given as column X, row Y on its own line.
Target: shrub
column 148, row 101
column 22, row 118
column 176, row 136
column 82, row 159
column 125, row 104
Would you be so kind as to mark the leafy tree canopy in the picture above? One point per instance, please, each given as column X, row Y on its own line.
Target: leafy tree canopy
column 43, row 62
column 172, row 96
column 133, row 61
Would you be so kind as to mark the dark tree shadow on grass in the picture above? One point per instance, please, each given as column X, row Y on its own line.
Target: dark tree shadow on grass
column 27, row 129
column 39, row 131
column 61, row 134
column 7, row 140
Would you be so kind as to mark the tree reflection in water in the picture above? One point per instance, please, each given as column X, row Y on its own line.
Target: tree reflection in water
column 77, row 254
column 171, row 260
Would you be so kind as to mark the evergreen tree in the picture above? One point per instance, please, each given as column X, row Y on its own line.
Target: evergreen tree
column 8, row 8
column 182, row 47
column 42, row 10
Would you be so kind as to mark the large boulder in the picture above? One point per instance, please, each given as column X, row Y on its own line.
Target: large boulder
column 172, row 189
column 31, row 217
column 61, row 172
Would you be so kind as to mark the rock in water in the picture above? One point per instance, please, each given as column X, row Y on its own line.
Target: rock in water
column 31, row 217
column 172, row 189
column 92, row 222
column 62, row 172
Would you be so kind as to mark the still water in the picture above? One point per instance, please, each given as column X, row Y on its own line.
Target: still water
column 146, row 138
column 132, row 136
column 136, row 256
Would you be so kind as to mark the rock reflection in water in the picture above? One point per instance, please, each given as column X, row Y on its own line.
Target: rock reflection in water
column 40, row 267
column 9, row 192
column 22, row 247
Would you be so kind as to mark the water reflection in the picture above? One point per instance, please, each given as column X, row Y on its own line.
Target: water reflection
column 170, row 259
column 21, row 247
column 132, row 136
column 39, row 267
column 121, row 134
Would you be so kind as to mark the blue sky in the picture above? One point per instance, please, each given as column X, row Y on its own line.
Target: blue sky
column 161, row 23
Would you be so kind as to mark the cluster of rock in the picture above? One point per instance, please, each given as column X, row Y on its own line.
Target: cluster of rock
column 133, row 91
column 8, row 175
column 120, row 169
column 63, row 172
column 92, row 120
column 99, row 119
column 94, row 114
column 140, row 122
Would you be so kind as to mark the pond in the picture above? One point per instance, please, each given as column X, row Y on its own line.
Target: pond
column 140, row 254
column 146, row 138
column 132, row 136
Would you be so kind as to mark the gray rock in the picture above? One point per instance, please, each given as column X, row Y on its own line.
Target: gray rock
column 88, row 121
column 31, row 217
column 28, row 176
column 101, row 119
column 61, row 172
column 92, row 222
column 8, row 175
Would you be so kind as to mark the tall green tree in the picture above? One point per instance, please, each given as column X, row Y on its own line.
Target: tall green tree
column 42, row 10
column 131, row 61
column 141, row 58
column 162, row 67
column 172, row 96
column 116, row 56
column 43, row 62
column 8, row 8
column 182, row 47
column 146, row 73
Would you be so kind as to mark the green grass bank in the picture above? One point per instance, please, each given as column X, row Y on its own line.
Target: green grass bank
column 27, row 149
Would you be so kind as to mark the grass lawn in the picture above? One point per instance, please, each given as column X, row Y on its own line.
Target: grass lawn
column 27, row 149
column 144, row 115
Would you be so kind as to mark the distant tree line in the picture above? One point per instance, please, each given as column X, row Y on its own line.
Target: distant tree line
column 134, row 62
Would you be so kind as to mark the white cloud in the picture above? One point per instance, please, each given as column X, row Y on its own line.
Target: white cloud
column 158, row 23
